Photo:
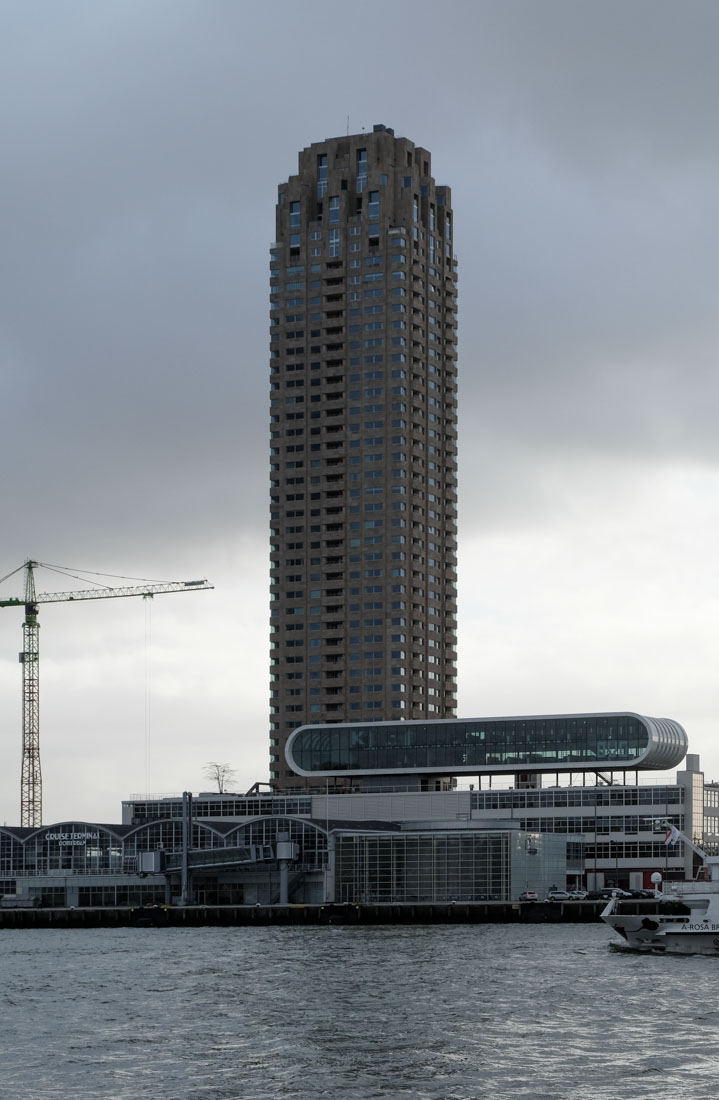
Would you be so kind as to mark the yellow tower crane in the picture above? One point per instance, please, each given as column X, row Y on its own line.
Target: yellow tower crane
column 31, row 774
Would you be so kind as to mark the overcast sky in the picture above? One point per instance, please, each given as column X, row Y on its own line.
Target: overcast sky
column 142, row 144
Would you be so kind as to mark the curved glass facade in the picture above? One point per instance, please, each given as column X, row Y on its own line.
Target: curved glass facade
column 310, row 838
column 71, row 847
column 568, row 742
column 80, row 848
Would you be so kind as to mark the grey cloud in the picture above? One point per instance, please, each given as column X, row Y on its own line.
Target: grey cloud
column 142, row 146
column 593, row 82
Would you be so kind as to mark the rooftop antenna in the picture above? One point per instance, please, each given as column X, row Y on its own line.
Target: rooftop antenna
column 348, row 125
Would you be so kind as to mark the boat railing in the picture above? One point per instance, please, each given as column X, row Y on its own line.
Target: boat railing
column 680, row 888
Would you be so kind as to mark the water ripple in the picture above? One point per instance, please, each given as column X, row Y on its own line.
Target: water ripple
column 433, row 1013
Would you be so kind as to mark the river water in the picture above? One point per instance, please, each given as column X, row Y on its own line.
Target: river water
column 443, row 1012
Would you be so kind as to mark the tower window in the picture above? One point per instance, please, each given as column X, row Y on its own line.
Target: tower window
column 361, row 169
column 321, row 175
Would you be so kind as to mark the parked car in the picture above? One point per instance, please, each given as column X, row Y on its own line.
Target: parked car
column 615, row 892
column 559, row 895
column 529, row 895
column 578, row 895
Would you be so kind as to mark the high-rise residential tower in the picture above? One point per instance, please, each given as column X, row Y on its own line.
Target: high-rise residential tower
column 363, row 323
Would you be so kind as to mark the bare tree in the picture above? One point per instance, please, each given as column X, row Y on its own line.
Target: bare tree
column 221, row 774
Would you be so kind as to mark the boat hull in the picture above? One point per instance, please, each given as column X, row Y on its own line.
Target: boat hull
column 654, row 932
column 699, row 944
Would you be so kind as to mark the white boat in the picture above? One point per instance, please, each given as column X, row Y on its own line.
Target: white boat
column 690, row 926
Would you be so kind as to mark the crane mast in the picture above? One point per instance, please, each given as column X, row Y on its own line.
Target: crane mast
column 31, row 774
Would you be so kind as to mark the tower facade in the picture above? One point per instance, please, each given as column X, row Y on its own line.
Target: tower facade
column 363, row 466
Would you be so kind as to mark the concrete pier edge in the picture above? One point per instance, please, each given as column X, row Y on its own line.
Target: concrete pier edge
column 496, row 912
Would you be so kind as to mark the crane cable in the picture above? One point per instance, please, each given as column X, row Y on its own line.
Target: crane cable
column 11, row 574
column 147, row 600
column 72, row 572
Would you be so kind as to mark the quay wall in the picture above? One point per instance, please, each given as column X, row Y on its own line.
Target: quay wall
column 496, row 912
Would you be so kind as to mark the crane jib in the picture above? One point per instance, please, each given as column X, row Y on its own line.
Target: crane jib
column 31, row 775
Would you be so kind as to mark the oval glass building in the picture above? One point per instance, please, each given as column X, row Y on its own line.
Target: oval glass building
column 472, row 746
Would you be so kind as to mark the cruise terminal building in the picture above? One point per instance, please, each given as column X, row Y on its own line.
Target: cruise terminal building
column 378, row 816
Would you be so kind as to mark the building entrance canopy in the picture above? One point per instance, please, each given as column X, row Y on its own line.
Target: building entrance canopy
column 472, row 746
